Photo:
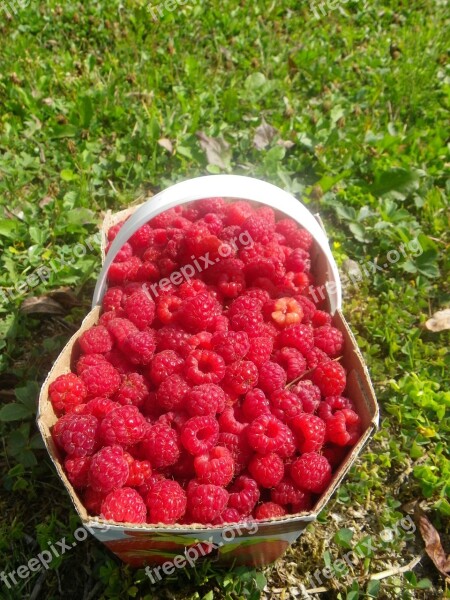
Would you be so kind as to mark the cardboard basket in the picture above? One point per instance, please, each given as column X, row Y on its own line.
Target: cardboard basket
column 250, row 543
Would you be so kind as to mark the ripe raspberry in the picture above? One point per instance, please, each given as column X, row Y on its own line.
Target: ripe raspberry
column 286, row 226
column 168, row 308
column 175, row 419
column 206, row 502
column 77, row 470
column 204, row 366
column 76, row 434
column 206, row 399
column 329, row 339
column 292, row 361
column 120, row 329
column 267, row 434
column 140, row 309
column 309, row 308
column 132, row 391
column 183, row 469
column 124, row 506
column 239, row 447
column 330, row 405
column 124, row 426
column 119, row 362
column 228, row 276
column 166, row 502
column 210, row 205
column 229, row 515
column 139, row 347
column 330, row 378
column 66, row 392
column 200, row 341
column 140, row 472
column 230, row 421
column 311, row 472
column 112, row 300
column 244, row 494
column 255, row 404
column 215, row 467
column 257, row 293
column 109, row 469
column 245, row 302
column 165, row 364
column 272, row 377
column 309, row 432
column 200, row 434
column 248, row 321
column 299, row 239
column 267, row 469
column 172, row 393
column 240, row 377
column 148, row 271
column 288, row 448
column 173, row 338
column 287, row 492
column 96, row 340
column 122, row 272
column 335, row 454
column 92, row 501
column 99, row 407
column 260, row 350
column 101, row 380
column 286, row 312
column 89, row 360
column 258, row 229
column 231, row 345
column 298, row 261
column 320, row 318
column 315, row 357
column 269, row 510
column 309, row 395
column 344, row 427
column 267, row 213
column 237, row 212
column 141, row 239
column 286, row 405
column 297, row 336
column 160, row 446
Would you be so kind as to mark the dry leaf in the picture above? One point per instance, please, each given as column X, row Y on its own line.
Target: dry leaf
column 166, row 144
column 65, row 296
column 433, row 546
column 440, row 321
column 42, row 305
column 217, row 150
column 264, row 134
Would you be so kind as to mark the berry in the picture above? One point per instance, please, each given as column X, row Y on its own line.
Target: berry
column 168, row 308
column 166, row 502
column 245, row 302
column 309, row 432
column 240, row 377
column 89, row 360
column 120, row 329
column 299, row 239
column 101, row 380
column 315, row 357
column 269, row 510
column 140, row 472
column 112, row 300
column 200, row 434
column 267, row 434
column 172, row 393
column 140, row 309
column 297, row 336
column 229, row 421
column 311, row 472
column 286, row 405
column 124, row 506
column 320, row 318
column 215, row 467
column 141, row 239
column 298, row 261
column 292, row 361
column 139, row 347
column 109, row 469
column 334, row 454
column 200, row 341
column 231, row 345
column 198, row 313
column 124, row 426
column 239, row 448
column 330, row 405
column 286, row 312
column 99, row 407
column 160, row 446
column 255, row 404
column 260, row 350
column 163, row 365
column 267, row 470
column 229, row 515
column 329, row 339
column 206, row 502
column 66, row 392
column 237, row 212
column 76, row 434
column 344, row 427
column 244, row 494
column 119, row 361
column 96, row 340
column 132, row 391
column 309, row 395
column 286, row 492
column 77, row 470
column 92, row 500
column 258, row 229
column 206, row 399
column 173, row 338
column 122, row 272
column 248, row 321
column 272, row 377
column 330, row 378
column 309, row 308
column 204, row 366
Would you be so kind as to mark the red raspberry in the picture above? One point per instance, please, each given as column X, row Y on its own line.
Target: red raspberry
column 172, row 393
column 191, row 288
column 204, row 366
column 213, row 222
column 229, row 421
column 267, row 434
column 229, row 515
column 344, row 427
column 255, row 404
column 244, row 494
column 272, row 377
column 330, row 405
column 77, row 470
column 298, row 261
column 66, row 392
column 206, row 399
column 139, row 347
column 142, row 238
column 249, row 321
column 309, row 432
column 304, row 506
column 109, row 469
column 124, row 253
column 258, row 229
column 140, row 472
column 309, row 308
column 269, row 510
column 164, row 219
column 286, row 226
column 160, row 446
column 165, row 364
column 200, row 341
column 321, row 318
column 199, row 242
column 210, row 205
column 175, row 419
column 286, row 405
column 245, row 302
column 286, row 312
column 112, row 300
column 292, row 361
column 149, row 483
column 124, row 426
column 329, row 339
column 330, row 378
column 89, row 360
column 335, row 454
column 297, row 336
column 260, row 350
column 231, row 345
column 166, row 502
column 239, row 448
column 121, row 272
column 215, row 467
column 173, row 338
column 99, row 407
column 168, row 308
column 205, row 502
column 288, row 448
column 140, row 309
column 119, row 362
column 183, row 469
column 124, row 506
column 76, row 434
column 267, row 213
column 148, row 271
column 92, row 501
column 299, row 239
column 240, row 377
column 267, row 469
column 237, row 212
column 309, row 395
column 133, row 390
column 200, row 434
column 150, row 408
column 96, row 340
column 287, row 492
column 257, row 293
column 315, row 357
column 101, row 380
column 311, row 472
column 120, row 329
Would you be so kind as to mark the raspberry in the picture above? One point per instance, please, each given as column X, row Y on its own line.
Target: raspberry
column 172, row 392
column 213, row 222
column 299, row 239
column 297, row 336
column 173, row 338
column 321, row 318
column 344, row 427
column 229, row 515
column 249, row 321
column 308, row 307
column 330, row 405
column 292, row 361
column 258, row 229
column 239, row 448
column 124, row 253
column 286, row 492
column 298, row 261
column 165, row 364
column 244, row 494
column 124, row 506
column 286, row 226
column 286, row 405
column 200, row 434
column 66, row 392
column 259, row 269
column 255, row 404
column 309, row 432
column 109, row 469
column 141, row 239
column 139, row 347
column 174, row 419
column 206, row 399
column 124, row 426
column 267, row 470
column 240, row 377
column 140, row 309
column 99, row 407
column 309, row 395
column 231, row 345
column 330, row 378
column 272, row 377
column 229, row 423
column 139, row 472
column 210, row 205
column 267, row 434
column 257, row 293
column 288, row 447
column 315, row 357
column 112, row 300
column 269, row 510
column 184, row 467
column 77, row 470
column 311, row 472
column 191, row 288
column 215, row 467
column 334, row 454
column 148, row 271
column 267, row 213
column 160, row 446
column 96, row 340
column 76, row 434
column 92, row 501
column 200, row 341
column 119, row 362
column 329, row 339
column 206, row 502
column 89, row 360
column 101, row 380
column 133, row 390
column 166, row 502
column 168, row 308
column 120, row 329
column 260, row 350
column 237, row 212
column 204, row 366
column 246, row 302
column 121, row 272
column 286, row 312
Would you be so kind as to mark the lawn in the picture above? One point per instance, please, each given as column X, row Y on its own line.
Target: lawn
column 103, row 103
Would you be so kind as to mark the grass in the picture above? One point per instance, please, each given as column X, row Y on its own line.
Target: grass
column 87, row 90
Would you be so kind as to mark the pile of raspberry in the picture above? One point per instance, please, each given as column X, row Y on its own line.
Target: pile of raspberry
column 211, row 389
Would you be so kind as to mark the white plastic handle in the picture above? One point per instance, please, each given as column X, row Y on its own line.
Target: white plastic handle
column 225, row 186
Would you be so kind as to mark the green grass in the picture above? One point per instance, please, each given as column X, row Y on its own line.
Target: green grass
column 86, row 91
